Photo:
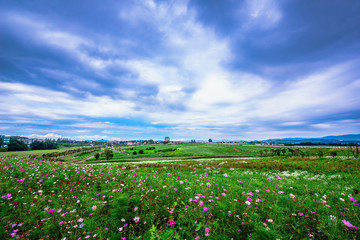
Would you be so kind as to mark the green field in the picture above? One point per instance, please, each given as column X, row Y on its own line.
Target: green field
column 207, row 191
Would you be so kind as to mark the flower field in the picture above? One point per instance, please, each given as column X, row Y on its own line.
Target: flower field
column 50, row 200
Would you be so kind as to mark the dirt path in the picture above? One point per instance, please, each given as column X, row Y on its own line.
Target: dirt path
column 241, row 151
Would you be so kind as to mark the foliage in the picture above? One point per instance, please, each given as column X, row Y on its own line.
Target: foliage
column 17, row 145
column 97, row 155
column 47, row 144
column 108, row 153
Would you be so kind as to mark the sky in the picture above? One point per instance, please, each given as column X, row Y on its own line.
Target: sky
column 144, row 69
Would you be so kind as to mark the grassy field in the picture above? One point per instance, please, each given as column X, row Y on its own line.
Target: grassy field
column 205, row 191
column 32, row 152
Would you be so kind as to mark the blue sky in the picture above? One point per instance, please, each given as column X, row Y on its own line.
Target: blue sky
column 222, row 69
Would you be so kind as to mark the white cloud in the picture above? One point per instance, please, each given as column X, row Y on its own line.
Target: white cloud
column 28, row 100
column 263, row 13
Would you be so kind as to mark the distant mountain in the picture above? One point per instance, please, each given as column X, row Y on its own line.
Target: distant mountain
column 348, row 137
column 327, row 139
column 101, row 140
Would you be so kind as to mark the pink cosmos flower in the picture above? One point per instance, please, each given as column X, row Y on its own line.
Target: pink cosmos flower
column 201, row 203
column 349, row 225
column 269, row 179
column 224, row 194
column 136, row 208
column 136, row 219
column 207, row 230
column 276, row 187
column 51, row 211
column 300, row 214
column 292, row 195
column 172, row 223
column 208, row 184
column 279, row 178
column 249, row 199
column 93, row 208
column 352, row 199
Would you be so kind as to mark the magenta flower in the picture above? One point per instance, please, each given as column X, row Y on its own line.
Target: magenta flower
column 172, row 223
column 276, row 187
column 224, row 194
column 279, row 178
column 51, row 211
column 269, row 179
column 208, row 184
column 93, row 208
column 16, row 203
column 136, row 208
column 300, row 214
column 249, row 199
column 349, row 225
column 352, row 199
column 201, row 203
column 207, row 230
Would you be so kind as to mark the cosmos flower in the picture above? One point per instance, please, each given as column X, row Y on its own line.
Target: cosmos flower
column 136, row 219
column 352, row 199
column 349, row 225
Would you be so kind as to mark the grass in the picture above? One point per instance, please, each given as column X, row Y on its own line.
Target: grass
column 32, row 152
column 219, row 198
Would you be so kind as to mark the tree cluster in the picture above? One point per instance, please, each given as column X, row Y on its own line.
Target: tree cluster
column 17, row 145
column 48, row 144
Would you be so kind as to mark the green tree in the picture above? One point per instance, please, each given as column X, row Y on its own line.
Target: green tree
column 17, row 145
column 1, row 141
column 134, row 152
column 210, row 140
column 320, row 153
column 333, row 153
column 141, row 152
column 97, row 155
column 108, row 153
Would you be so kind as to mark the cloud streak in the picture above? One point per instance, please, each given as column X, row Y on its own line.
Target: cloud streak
column 177, row 68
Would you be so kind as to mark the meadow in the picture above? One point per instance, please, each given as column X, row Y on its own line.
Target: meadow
column 234, row 197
